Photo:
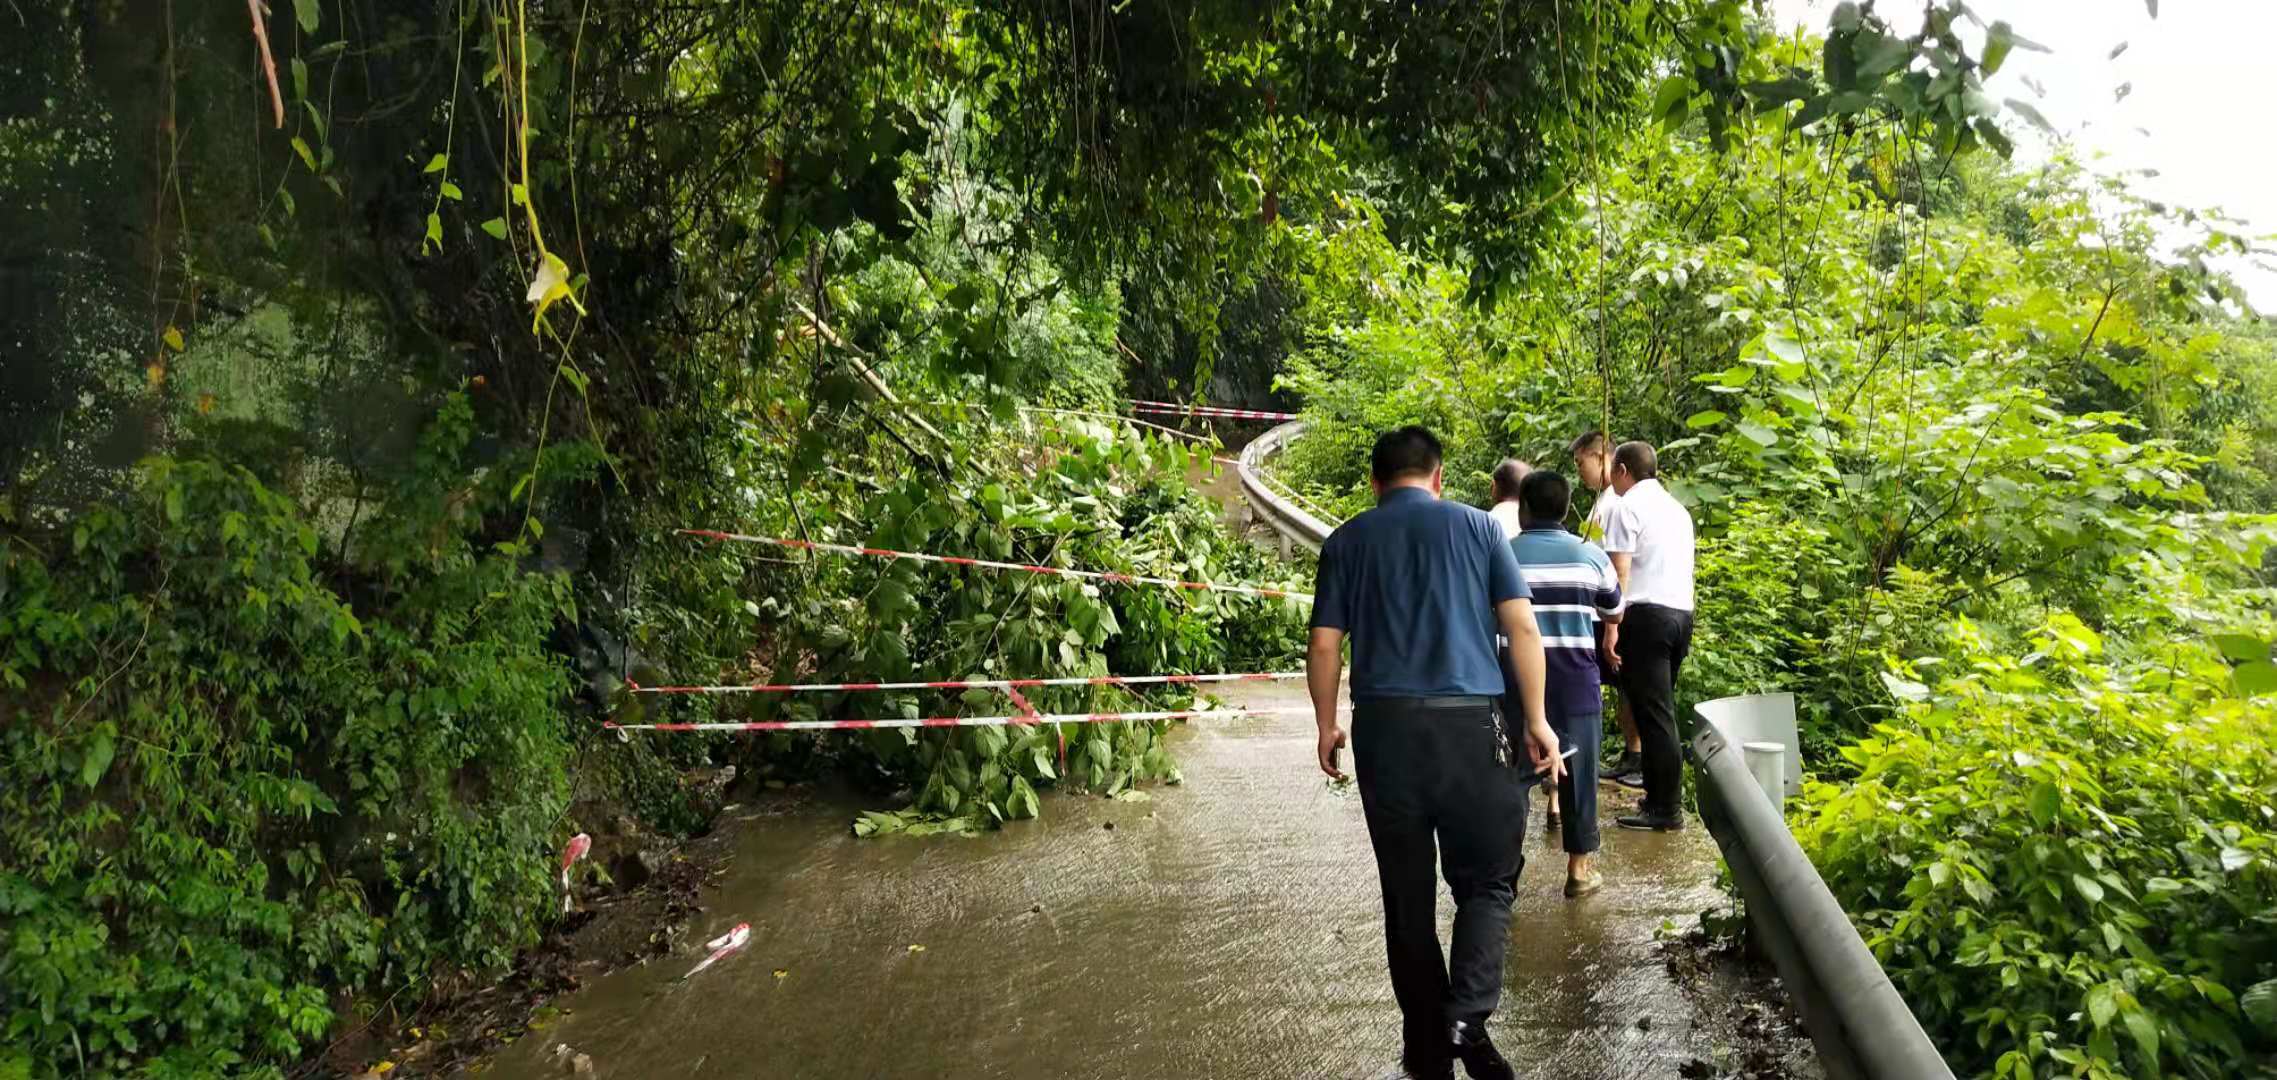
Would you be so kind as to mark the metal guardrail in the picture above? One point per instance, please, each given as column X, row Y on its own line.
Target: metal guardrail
column 1291, row 522
column 1860, row 1026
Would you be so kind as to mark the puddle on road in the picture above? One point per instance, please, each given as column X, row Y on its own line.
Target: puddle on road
column 1226, row 927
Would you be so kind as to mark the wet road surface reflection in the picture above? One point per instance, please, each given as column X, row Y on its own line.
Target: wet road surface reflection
column 1226, row 927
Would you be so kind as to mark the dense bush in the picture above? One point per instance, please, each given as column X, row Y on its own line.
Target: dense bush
column 1097, row 499
column 1393, row 342
column 2069, row 867
column 1761, row 603
column 235, row 788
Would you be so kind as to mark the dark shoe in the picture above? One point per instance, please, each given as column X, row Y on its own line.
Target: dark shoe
column 1411, row 1069
column 1650, row 822
column 1630, row 763
column 1479, row 1057
column 1424, row 1053
column 1634, row 781
column 1551, row 823
column 1402, row 1072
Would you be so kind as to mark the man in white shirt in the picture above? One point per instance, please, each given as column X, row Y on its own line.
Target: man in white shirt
column 1593, row 459
column 1657, row 631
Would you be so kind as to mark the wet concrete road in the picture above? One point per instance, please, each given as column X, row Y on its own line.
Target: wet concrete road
column 1228, row 927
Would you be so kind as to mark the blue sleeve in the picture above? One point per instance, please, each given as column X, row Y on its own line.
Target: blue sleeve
column 1503, row 581
column 1331, row 593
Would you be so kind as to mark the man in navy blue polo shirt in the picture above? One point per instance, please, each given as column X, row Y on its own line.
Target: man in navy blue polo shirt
column 1421, row 587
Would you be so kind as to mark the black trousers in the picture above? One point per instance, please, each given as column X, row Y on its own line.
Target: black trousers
column 1654, row 641
column 1433, row 791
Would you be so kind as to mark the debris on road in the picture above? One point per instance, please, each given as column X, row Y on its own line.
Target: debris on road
column 576, row 848
column 721, row 946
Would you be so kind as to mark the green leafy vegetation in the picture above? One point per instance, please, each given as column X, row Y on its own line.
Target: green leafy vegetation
column 1972, row 447
column 1099, row 499
column 233, row 782
column 2065, row 859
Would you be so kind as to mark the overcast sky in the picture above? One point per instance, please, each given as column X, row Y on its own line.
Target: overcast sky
column 2203, row 85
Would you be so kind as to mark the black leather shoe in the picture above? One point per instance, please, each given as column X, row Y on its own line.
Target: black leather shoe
column 1411, row 1069
column 1479, row 1057
column 1423, row 1051
column 1650, row 822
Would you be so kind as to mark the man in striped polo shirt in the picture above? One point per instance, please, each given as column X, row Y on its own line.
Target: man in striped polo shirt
column 1574, row 587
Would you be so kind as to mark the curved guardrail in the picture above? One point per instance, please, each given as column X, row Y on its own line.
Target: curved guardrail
column 1291, row 522
column 1860, row 1026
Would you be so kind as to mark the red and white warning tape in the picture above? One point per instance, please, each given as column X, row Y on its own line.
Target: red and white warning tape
column 1208, row 411
column 1084, row 413
column 1021, row 720
column 991, row 564
column 972, row 684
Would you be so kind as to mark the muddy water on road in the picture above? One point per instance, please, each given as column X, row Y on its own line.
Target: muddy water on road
column 1226, row 927
column 1222, row 483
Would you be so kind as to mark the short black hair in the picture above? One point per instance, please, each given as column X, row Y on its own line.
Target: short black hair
column 1587, row 441
column 1506, row 478
column 1544, row 496
column 1406, row 453
column 1638, row 459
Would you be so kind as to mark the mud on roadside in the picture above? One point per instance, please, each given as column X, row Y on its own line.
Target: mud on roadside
column 633, row 905
column 1738, row 997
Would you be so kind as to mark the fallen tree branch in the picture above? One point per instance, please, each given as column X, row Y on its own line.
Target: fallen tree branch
column 854, row 360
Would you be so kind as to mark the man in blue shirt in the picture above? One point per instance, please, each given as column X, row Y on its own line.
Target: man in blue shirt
column 1574, row 587
column 1421, row 587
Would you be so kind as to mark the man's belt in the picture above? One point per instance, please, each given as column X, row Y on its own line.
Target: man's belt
column 1455, row 701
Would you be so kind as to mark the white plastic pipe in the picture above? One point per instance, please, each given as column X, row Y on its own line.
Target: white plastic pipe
column 1767, row 762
